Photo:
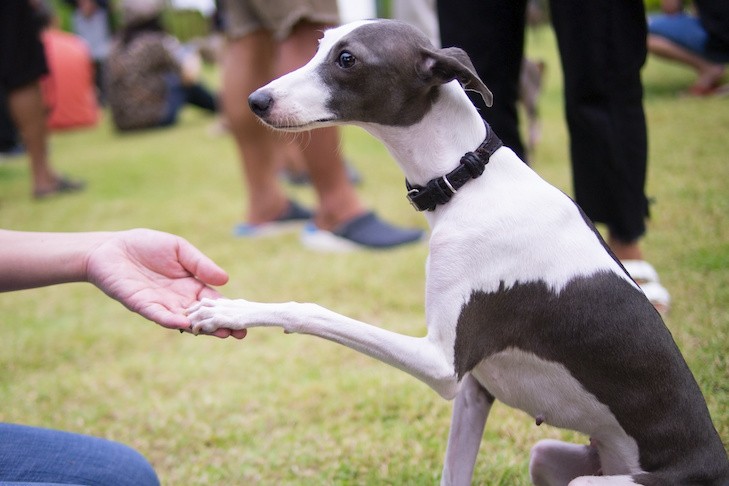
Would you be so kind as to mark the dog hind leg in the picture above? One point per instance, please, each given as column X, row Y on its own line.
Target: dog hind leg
column 603, row 481
column 557, row 463
column 470, row 411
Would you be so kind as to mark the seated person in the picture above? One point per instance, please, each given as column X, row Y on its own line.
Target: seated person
column 150, row 76
column 68, row 89
column 699, row 40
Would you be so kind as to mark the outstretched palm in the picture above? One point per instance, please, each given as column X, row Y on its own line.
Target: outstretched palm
column 155, row 274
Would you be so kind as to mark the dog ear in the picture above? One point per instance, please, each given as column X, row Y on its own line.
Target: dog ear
column 445, row 65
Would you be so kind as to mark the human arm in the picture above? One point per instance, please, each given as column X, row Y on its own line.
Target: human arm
column 155, row 274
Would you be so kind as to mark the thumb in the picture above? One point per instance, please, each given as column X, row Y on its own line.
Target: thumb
column 199, row 265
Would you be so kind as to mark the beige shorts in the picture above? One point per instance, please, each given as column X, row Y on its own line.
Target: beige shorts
column 277, row 16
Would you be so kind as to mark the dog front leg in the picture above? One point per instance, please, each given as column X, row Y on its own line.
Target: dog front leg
column 470, row 411
column 421, row 357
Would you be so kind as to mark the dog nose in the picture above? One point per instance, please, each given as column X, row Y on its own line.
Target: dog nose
column 260, row 102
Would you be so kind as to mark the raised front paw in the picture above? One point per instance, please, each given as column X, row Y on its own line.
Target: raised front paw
column 209, row 315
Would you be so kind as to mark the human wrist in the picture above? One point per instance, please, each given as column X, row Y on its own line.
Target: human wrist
column 88, row 246
column 70, row 253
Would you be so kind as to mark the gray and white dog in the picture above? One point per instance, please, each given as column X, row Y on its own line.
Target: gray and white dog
column 524, row 302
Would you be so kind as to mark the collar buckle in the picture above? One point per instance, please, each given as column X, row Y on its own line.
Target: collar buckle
column 440, row 190
column 411, row 195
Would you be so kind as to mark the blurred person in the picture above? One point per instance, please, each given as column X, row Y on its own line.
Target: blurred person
column 423, row 15
column 266, row 40
column 91, row 22
column 22, row 64
column 602, row 47
column 420, row 13
column 68, row 89
column 698, row 39
column 157, row 275
column 150, row 75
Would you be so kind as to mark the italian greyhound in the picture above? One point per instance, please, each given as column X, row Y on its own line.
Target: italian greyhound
column 524, row 301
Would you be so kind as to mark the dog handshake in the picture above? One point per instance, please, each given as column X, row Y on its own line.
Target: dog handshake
column 524, row 301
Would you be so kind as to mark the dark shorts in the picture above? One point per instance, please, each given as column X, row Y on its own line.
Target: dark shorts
column 245, row 16
column 22, row 59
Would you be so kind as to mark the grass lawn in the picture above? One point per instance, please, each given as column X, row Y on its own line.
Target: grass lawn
column 277, row 409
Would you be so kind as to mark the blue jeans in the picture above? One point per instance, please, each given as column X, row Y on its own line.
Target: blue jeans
column 36, row 456
column 682, row 29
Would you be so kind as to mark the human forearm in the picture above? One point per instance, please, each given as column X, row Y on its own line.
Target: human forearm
column 30, row 259
column 155, row 274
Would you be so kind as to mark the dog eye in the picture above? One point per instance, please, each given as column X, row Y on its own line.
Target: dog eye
column 345, row 60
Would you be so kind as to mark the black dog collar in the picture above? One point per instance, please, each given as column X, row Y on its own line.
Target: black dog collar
column 441, row 190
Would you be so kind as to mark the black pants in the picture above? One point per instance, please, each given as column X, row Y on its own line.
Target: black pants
column 198, row 95
column 602, row 46
column 8, row 133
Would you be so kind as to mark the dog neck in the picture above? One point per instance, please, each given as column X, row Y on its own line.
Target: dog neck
column 434, row 146
column 440, row 190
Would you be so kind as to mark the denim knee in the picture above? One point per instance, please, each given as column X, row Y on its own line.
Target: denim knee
column 44, row 456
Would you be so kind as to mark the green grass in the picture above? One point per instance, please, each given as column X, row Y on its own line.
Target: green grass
column 277, row 409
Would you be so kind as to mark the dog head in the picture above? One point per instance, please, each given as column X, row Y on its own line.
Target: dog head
column 384, row 72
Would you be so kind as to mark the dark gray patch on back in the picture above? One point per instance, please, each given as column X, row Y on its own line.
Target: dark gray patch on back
column 612, row 340
column 384, row 85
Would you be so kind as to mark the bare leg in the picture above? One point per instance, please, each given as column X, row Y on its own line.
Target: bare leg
column 709, row 73
column 338, row 200
column 470, row 410
column 294, row 163
column 624, row 250
column 248, row 64
column 26, row 107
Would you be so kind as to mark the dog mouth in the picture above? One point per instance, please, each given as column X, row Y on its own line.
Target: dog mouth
column 299, row 127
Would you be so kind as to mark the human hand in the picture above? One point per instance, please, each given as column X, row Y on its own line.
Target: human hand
column 155, row 274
